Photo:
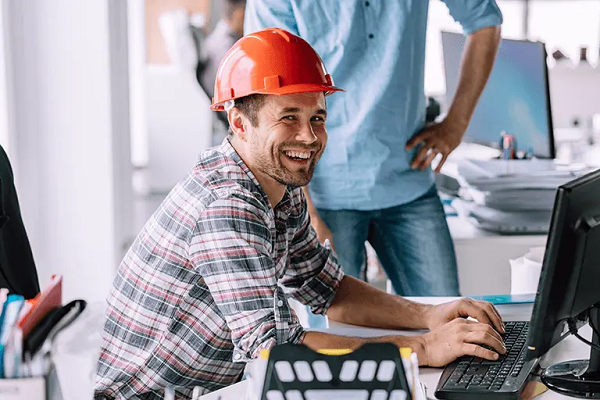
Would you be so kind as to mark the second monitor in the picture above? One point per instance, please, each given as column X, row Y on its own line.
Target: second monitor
column 515, row 100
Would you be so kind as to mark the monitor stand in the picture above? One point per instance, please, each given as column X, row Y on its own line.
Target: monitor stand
column 578, row 378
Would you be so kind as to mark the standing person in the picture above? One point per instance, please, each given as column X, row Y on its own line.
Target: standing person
column 374, row 181
column 228, row 31
column 205, row 286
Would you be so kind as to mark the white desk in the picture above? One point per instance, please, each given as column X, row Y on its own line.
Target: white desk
column 569, row 349
column 481, row 255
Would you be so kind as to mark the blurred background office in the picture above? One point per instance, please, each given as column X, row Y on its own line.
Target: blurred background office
column 101, row 112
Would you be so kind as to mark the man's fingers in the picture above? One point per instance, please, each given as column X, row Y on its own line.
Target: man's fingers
column 419, row 138
column 483, row 337
column 474, row 326
column 493, row 315
column 469, row 308
column 441, row 163
column 427, row 162
column 470, row 349
column 421, row 155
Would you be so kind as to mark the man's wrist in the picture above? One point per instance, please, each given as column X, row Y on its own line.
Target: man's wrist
column 421, row 313
column 457, row 123
column 416, row 344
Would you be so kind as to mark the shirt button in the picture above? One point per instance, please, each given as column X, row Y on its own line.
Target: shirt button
column 280, row 303
column 371, row 36
column 237, row 356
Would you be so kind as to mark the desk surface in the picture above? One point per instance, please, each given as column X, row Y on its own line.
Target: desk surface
column 569, row 349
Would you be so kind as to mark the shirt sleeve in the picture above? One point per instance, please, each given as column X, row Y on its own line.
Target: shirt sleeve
column 261, row 14
column 314, row 274
column 473, row 15
column 231, row 249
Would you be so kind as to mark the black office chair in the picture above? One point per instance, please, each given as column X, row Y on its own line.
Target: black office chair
column 17, row 268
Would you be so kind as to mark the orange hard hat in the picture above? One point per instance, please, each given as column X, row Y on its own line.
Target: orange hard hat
column 271, row 61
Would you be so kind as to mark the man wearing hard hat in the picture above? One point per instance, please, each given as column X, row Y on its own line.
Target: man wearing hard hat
column 205, row 286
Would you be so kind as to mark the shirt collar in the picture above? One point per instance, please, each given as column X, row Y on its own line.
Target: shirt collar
column 228, row 150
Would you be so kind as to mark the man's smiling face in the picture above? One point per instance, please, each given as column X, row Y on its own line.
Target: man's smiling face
column 289, row 138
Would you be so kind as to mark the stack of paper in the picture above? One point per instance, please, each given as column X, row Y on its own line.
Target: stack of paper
column 512, row 196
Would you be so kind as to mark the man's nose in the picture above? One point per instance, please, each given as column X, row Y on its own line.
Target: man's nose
column 306, row 134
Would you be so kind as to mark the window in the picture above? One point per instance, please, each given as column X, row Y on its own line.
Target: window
column 566, row 25
column 440, row 20
column 562, row 24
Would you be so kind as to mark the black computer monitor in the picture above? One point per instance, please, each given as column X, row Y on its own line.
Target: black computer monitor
column 516, row 98
column 568, row 294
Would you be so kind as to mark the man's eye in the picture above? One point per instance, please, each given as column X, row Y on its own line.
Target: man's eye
column 318, row 119
column 290, row 117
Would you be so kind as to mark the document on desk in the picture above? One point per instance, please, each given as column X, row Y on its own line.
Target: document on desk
column 499, row 299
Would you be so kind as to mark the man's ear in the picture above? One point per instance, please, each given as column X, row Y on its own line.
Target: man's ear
column 237, row 122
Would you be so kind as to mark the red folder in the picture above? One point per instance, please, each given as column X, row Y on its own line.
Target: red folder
column 47, row 300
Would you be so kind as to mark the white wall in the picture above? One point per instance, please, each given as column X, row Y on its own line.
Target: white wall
column 136, row 27
column 574, row 93
column 4, row 83
column 68, row 66
column 179, row 124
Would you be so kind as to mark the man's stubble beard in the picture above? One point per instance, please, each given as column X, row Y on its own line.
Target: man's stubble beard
column 273, row 167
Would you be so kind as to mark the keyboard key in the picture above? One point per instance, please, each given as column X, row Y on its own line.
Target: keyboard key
column 284, row 371
column 387, row 368
column 351, row 394
column 293, row 395
column 275, row 395
column 457, row 385
column 397, row 395
column 367, row 371
column 348, row 372
column 322, row 371
column 478, row 387
column 379, row 394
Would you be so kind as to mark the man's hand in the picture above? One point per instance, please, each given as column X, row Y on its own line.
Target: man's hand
column 440, row 138
column 323, row 231
column 482, row 311
column 458, row 338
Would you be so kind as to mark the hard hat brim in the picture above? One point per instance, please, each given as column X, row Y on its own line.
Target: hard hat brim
column 289, row 89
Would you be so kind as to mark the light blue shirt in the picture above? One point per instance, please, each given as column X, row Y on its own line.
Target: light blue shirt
column 375, row 50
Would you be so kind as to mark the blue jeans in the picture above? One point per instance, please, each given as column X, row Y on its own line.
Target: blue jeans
column 412, row 242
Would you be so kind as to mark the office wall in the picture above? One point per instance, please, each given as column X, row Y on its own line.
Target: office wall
column 70, row 137
column 4, row 104
column 574, row 93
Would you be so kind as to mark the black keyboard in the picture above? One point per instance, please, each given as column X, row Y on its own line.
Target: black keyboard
column 476, row 378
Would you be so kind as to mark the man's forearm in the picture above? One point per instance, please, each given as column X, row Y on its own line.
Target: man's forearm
column 477, row 62
column 320, row 340
column 358, row 303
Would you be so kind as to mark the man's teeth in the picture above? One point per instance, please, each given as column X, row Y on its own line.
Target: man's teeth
column 298, row 154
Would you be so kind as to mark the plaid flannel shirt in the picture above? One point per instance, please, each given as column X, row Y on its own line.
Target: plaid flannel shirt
column 205, row 285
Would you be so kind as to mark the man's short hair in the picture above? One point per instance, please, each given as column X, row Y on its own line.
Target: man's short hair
column 249, row 106
column 231, row 5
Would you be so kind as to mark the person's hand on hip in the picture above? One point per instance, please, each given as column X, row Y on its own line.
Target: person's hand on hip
column 438, row 138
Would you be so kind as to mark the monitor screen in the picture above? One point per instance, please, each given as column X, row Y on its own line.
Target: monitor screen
column 515, row 99
column 570, row 274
